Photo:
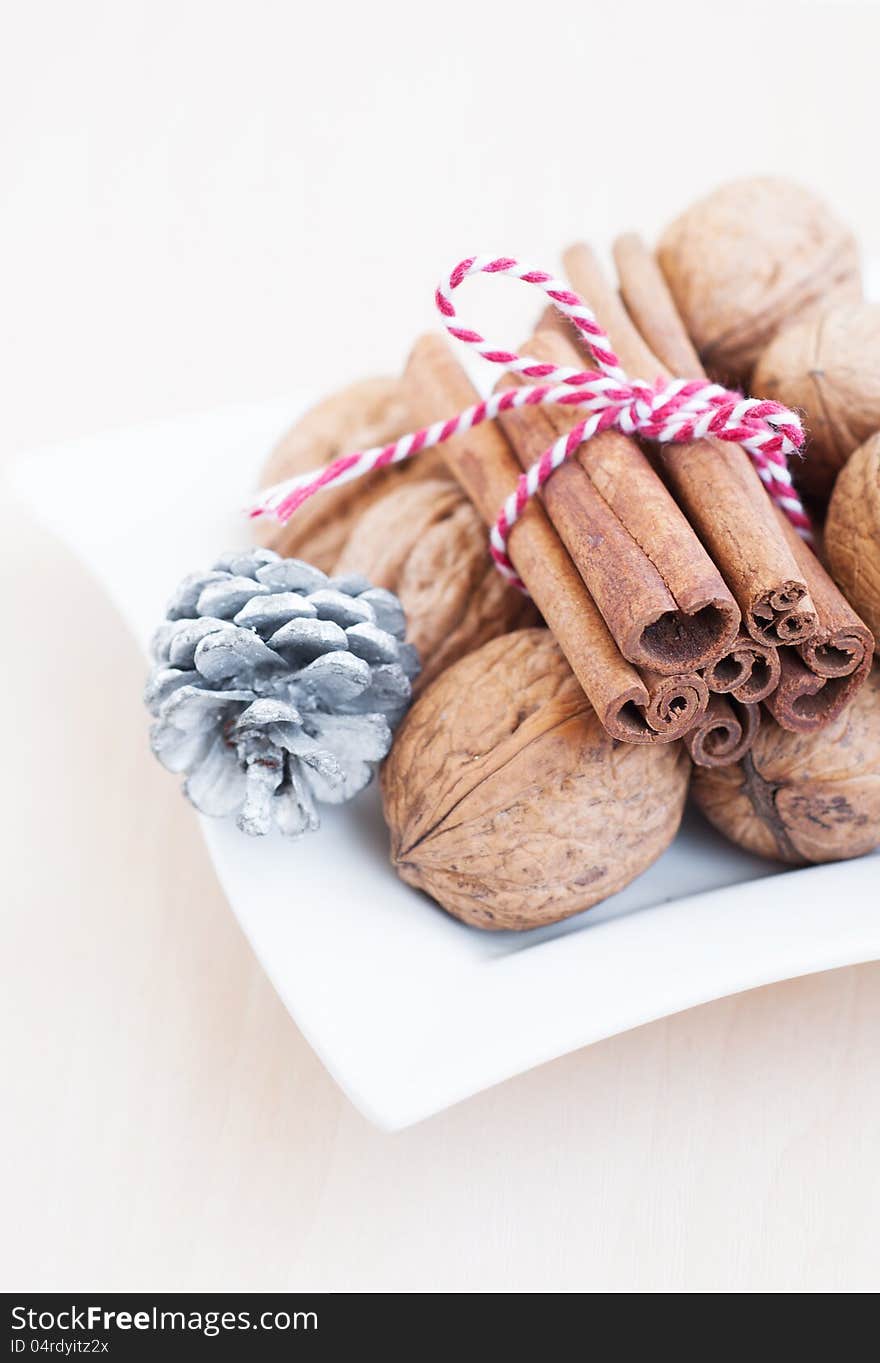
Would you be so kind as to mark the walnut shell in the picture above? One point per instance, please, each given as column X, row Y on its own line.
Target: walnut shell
column 367, row 413
column 829, row 367
column 852, row 533
column 507, row 800
column 427, row 544
column 803, row 797
column 753, row 255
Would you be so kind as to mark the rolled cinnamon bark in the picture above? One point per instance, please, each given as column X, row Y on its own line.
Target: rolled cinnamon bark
column 483, row 462
column 551, row 319
column 676, row 703
column 660, row 594
column 724, row 734
column 820, row 678
column 714, row 481
column 706, row 618
column 652, row 308
column 841, row 648
column 804, row 701
column 749, row 672
column 609, row 560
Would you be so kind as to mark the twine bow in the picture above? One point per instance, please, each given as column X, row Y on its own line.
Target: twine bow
column 669, row 411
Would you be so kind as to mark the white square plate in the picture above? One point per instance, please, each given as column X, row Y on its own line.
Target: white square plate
column 410, row 1010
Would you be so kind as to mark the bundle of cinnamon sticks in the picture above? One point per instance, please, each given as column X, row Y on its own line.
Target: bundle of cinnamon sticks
column 679, row 595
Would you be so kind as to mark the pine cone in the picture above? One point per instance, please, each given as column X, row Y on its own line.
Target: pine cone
column 274, row 687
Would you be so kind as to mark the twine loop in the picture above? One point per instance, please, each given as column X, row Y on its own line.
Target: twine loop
column 677, row 411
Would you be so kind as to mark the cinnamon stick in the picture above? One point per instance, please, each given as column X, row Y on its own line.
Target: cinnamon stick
column 842, row 646
column 551, row 319
column 803, row 701
column 608, row 559
column 749, row 672
column 840, row 651
column 724, row 734
column 675, row 704
column 483, row 463
column 714, row 480
column 652, row 308
column 659, row 592
column 820, row 678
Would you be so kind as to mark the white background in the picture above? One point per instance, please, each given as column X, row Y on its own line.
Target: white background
column 213, row 202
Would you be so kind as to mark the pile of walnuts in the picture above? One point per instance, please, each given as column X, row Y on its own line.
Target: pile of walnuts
column 506, row 799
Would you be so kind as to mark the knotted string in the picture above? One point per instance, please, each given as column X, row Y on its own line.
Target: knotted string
column 668, row 411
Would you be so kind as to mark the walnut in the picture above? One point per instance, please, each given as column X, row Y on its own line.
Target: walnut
column 507, row 800
column 829, row 367
column 426, row 543
column 370, row 412
column 803, row 797
column 852, row 532
column 753, row 255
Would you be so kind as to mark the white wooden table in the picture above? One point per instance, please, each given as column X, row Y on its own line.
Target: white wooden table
column 165, row 1125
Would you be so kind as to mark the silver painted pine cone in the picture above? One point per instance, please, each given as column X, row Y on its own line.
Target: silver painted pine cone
column 275, row 687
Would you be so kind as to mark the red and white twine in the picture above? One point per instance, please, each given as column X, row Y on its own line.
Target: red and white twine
column 669, row 411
